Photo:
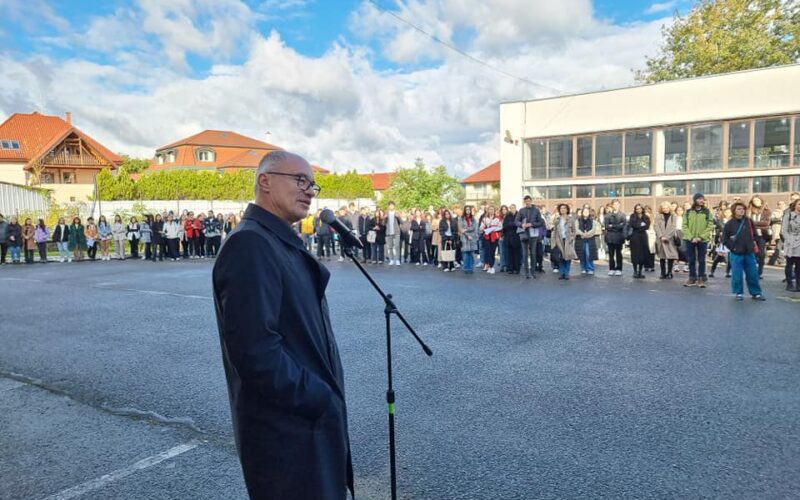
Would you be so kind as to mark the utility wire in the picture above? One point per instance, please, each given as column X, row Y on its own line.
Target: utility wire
column 461, row 52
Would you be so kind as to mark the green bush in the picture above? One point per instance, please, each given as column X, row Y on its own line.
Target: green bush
column 177, row 185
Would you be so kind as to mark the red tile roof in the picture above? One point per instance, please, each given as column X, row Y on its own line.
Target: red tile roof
column 381, row 181
column 487, row 175
column 38, row 134
column 221, row 138
column 319, row 170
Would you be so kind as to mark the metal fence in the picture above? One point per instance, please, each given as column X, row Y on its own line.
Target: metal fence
column 15, row 199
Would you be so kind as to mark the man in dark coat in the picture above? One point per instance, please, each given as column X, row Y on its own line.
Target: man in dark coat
column 285, row 379
column 529, row 220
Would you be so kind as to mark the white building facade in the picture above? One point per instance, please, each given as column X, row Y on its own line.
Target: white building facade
column 728, row 136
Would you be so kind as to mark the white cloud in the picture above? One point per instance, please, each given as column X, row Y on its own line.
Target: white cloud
column 336, row 109
column 658, row 8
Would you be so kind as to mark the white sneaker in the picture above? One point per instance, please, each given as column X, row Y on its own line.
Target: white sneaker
column 70, row 259
column 590, row 273
column 583, row 272
column 491, row 270
column 458, row 265
column 417, row 264
column 438, row 266
column 618, row 273
column 397, row 263
column 341, row 259
column 425, row 264
column 447, row 270
column 611, row 273
column 555, row 270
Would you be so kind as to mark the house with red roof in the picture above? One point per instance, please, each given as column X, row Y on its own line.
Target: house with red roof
column 220, row 150
column 483, row 185
column 50, row 152
column 380, row 182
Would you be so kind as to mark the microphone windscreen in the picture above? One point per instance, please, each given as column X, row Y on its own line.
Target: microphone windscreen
column 327, row 216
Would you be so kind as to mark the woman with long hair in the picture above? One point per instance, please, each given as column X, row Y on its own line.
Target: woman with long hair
column 28, row 244
column 491, row 228
column 666, row 228
column 448, row 228
column 77, row 239
column 562, row 240
column 118, row 231
column 104, row 234
column 586, row 241
column 159, row 245
column 790, row 230
column 92, row 235
column 639, row 223
column 379, row 226
column 40, row 236
column 760, row 215
column 133, row 234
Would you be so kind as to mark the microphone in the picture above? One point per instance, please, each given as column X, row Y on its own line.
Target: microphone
column 328, row 217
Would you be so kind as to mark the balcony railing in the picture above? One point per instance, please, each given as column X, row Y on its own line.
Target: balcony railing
column 65, row 158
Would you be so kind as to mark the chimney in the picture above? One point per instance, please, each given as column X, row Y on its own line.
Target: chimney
column 69, row 118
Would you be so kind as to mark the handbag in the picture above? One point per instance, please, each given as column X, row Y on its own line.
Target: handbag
column 371, row 236
column 555, row 255
column 448, row 253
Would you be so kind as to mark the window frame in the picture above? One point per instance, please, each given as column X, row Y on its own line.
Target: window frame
column 692, row 149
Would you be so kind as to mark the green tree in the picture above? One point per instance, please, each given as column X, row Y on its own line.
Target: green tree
column 134, row 165
column 348, row 186
column 422, row 187
column 727, row 35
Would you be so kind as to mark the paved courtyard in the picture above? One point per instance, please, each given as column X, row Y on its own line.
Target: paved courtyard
column 111, row 386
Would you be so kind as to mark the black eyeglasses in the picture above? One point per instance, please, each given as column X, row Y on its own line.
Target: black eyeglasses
column 303, row 182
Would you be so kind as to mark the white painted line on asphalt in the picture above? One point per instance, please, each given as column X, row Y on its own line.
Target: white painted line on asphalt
column 118, row 474
column 31, row 280
column 154, row 292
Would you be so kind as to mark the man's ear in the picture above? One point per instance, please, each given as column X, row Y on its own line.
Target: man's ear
column 263, row 183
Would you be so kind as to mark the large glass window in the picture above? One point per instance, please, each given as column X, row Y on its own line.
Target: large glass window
column 608, row 155
column 537, row 193
column 775, row 184
column 794, row 184
column 738, row 186
column 772, row 143
column 584, row 168
column 674, row 188
column 712, row 186
column 707, row 147
column 675, row 150
column 637, row 189
column 583, row 191
column 560, row 160
column 739, row 145
column 638, row 152
column 796, row 143
column 538, row 150
column 554, row 192
column 608, row 190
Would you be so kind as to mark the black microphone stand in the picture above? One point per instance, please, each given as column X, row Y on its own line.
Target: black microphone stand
column 389, row 310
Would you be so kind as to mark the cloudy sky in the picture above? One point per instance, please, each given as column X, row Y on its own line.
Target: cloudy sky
column 347, row 83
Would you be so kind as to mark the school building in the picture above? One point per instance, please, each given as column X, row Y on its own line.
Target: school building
column 727, row 136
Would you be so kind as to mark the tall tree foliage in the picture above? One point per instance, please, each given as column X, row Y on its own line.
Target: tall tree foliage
column 422, row 187
column 720, row 36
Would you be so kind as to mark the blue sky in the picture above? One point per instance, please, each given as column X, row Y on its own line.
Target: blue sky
column 141, row 73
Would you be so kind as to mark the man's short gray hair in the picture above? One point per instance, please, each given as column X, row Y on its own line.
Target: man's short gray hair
column 270, row 162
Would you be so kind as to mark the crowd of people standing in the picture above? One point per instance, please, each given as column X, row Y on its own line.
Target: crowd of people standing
column 683, row 238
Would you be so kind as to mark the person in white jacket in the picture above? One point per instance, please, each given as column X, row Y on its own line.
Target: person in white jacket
column 119, row 233
column 172, row 233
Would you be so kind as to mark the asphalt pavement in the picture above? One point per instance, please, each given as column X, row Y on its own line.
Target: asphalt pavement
column 111, row 385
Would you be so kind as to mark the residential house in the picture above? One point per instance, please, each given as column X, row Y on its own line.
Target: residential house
column 220, row 150
column 380, row 182
column 50, row 152
column 483, row 185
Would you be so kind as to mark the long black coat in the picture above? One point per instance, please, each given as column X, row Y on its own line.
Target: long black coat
column 285, row 379
column 510, row 231
column 639, row 241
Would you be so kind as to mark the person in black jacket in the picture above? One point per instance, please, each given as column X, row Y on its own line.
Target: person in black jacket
column 511, row 239
column 448, row 228
column 14, row 238
column 739, row 237
column 639, row 223
column 284, row 374
column 532, row 228
column 364, row 227
column 417, row 233
column 614, row 223
column 159, row 242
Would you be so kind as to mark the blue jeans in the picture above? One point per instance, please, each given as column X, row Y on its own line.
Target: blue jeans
column 587, row 264
column 744, row 264
column 63, row 249
column 696, row 253
column 564, row 266
column 14, row 251
column 469, row 261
